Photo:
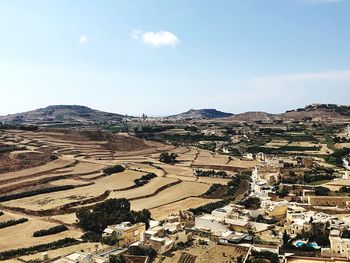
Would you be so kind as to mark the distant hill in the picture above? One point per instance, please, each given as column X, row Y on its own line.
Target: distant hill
column 314, row 112
column 75, row 114
column 319, row 111
column 252, row 116
column 63, row 113
column 202, row 114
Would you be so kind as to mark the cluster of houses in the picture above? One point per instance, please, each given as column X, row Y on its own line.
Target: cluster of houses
column 161, row 236
column 234, row 225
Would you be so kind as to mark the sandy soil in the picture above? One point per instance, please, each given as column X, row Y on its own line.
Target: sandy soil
column 67, row 250
column 164, row 211
column 25, row 238
column 67, row 218
column 174, row 193
column 51, row 200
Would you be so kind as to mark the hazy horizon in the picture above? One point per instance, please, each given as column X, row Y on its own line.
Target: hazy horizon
column 163, row 58
column 170, row 114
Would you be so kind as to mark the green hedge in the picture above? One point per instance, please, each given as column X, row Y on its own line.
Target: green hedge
column 38, row 248
column 5, row 198
column 212, row 173
column 13, row 222
column 50, row 231
column 283, row 149
column 209, row 207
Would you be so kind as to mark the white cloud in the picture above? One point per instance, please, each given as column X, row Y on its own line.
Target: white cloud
column 83, row 39
column 157, row 39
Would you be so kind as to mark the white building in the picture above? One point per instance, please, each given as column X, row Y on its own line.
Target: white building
column 210, row 222
column 338, row 245
column 81, row 257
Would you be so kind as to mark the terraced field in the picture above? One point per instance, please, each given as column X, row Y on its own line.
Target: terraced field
column 50, row 191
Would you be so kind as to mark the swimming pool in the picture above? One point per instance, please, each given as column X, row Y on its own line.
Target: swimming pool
column 300, row 243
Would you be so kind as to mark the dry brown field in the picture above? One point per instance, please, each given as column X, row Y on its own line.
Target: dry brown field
column 81, row 159
column 22, row 234
column 161, row 212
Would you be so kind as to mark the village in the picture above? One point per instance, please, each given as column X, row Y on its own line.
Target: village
column 176, row 190
column 187, row 131
column 299, row 226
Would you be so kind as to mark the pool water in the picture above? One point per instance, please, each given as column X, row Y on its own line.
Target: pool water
column 313, row 245
column 300, row 243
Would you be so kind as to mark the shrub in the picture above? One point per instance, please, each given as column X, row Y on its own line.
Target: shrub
column 168, row 158
column 50, row 231
column 319, row 174
column 345, row 233
column 322, row 191
column 38, row 248
column 91, row 236
column 209, row 207
column 344, row 189
column 251, row 203
column 114, row 169
column 211, row 173
column 337, row 156
column 264, row 255
column 116, row 259
column 213, row 189
column 13, row 222
column 5, row 198
column 110, row 240
column 144, row 179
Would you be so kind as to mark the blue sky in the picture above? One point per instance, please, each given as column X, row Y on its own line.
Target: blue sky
column 163, row 57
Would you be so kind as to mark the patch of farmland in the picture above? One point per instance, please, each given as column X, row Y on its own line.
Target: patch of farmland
column 22, row 234
column 276, row 143
column 212, row 160
column 212, row 180
column 177, row 170
column 46, row 167
column 146, row 168
column 172, row 194
column 147, row 189
column 51, row 200
column 342, row 145
column 162, row 212
column 68, row 182
column 66, row 218
column 65, row 251
column 336, row 185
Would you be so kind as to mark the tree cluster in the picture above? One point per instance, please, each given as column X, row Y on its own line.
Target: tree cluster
column 251, row 203
column 113, row 169
column 337, row 156
column 322, row 191
column 212, row 173
column 169, row 158
column 144, row 179
column 110, row 212
column 209, row 207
